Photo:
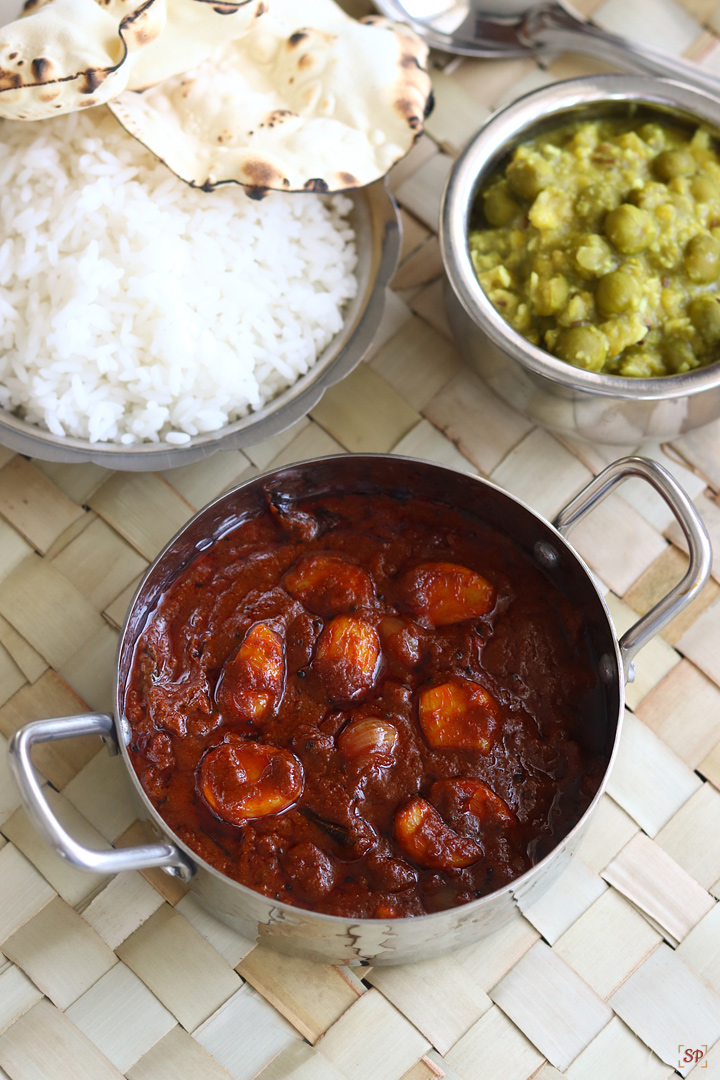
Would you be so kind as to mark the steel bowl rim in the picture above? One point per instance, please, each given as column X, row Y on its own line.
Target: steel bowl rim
column 290, row 912
column 501, row 132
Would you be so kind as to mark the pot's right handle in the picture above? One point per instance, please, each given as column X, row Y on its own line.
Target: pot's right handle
column 110, row 861
column 690, row 522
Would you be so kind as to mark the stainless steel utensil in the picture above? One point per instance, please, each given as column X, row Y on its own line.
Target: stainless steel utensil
column 549, row 28
column 330, row 938
column 376, row 221
column 600, row 408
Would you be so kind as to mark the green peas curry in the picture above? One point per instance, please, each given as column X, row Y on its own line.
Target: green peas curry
column 601, row 243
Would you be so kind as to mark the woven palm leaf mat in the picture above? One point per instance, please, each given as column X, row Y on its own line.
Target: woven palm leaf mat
column 613, row 975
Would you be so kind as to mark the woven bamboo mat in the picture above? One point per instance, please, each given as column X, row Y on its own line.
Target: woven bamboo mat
column 611, row 976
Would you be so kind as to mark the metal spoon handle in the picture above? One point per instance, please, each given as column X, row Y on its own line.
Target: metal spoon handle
column 553, row 28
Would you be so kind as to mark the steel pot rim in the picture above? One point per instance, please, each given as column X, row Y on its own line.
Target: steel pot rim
column 498, row 136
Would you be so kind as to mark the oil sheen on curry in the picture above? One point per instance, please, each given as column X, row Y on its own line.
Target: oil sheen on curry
column 369, row 706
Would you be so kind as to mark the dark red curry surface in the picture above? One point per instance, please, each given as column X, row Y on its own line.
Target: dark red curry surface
column 372, row 707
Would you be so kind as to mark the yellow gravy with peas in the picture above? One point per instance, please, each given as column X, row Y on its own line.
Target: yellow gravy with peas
column 601, row 243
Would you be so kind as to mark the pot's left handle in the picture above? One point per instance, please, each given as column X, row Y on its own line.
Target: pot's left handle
column 111, row 861
column 689, row 521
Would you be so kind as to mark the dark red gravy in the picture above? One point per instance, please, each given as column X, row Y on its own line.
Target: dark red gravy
column 339, row 846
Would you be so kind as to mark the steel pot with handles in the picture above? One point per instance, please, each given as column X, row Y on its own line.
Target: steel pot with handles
column 332, row 938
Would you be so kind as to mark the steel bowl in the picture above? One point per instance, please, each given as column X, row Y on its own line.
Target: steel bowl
column 376, row 221
column 550, row 392
column 331, row 938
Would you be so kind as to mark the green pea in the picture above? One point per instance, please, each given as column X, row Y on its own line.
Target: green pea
column 704, row 314
column 704, row 189
column 617, row 293
column 678, row 355
column 702, row 259
column 672, row 163
column 527, row 176
column 583, row 346
column 629, row 229
column 500, row 207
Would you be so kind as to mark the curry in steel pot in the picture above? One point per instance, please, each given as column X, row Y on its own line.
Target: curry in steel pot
column 368, row 705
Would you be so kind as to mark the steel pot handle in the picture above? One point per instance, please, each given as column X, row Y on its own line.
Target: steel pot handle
column 689, row 521
column 111, row 861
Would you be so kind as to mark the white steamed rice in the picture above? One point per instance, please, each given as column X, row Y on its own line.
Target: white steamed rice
column 134, row 308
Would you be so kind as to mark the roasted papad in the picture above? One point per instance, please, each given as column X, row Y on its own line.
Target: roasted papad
column 308, row 99
column 64, row 55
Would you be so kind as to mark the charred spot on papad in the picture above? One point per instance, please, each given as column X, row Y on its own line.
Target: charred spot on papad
column 9, row 80
column 316, row 184
column 42, row 69
column 297, row 38
column 276, row 117
column 261, row 173
column 91, row 80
